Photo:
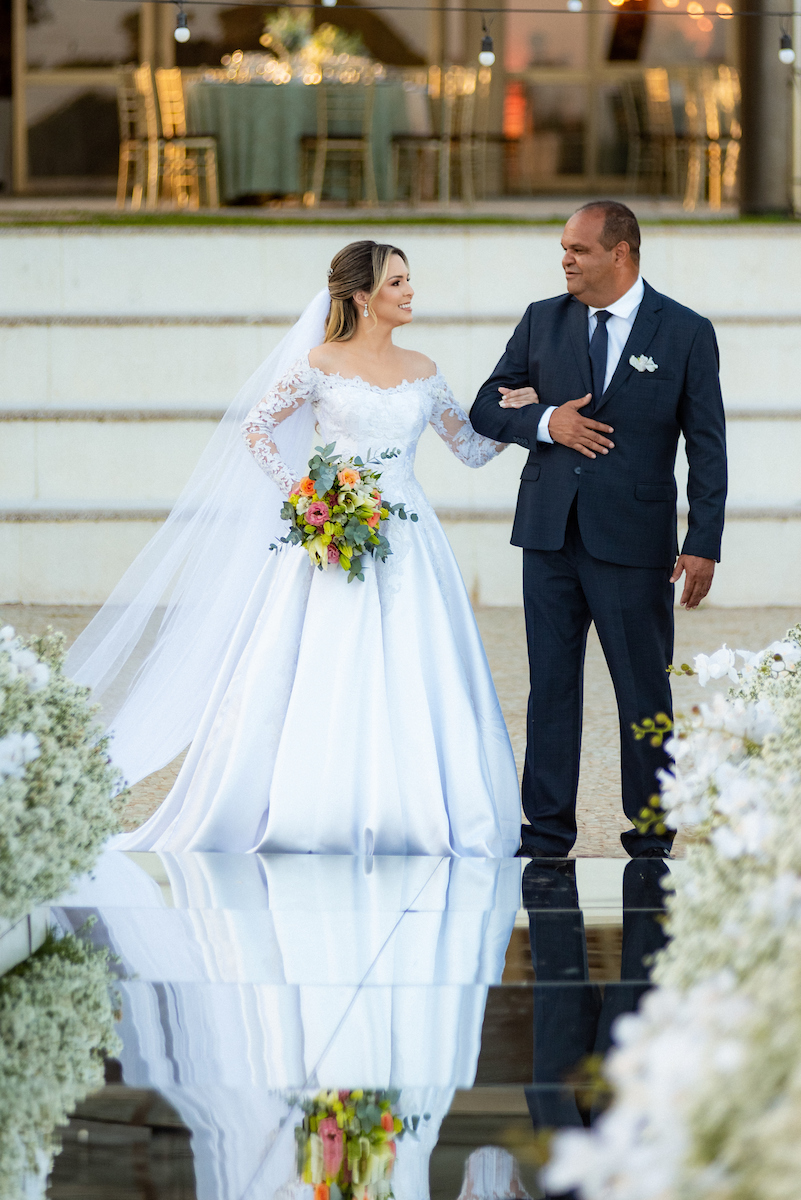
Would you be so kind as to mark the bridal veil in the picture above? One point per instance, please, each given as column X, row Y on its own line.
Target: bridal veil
column 153, row 651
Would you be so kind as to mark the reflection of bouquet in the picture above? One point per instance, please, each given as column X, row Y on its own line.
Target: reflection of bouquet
column 346, row 1143
column 336, row 511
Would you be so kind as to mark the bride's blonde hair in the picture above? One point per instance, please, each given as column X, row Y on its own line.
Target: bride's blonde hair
column 359, row 267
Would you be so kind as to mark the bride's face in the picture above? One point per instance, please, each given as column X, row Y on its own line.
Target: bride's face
column 392, row 304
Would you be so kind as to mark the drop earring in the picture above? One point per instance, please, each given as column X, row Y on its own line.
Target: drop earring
column 366, row 311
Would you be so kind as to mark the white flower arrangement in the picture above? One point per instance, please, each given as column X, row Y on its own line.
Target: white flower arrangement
column 56, row 1026
column 57, row 801
column 707, row 1075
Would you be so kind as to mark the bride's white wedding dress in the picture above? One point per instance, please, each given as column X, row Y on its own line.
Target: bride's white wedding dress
column 353, row 718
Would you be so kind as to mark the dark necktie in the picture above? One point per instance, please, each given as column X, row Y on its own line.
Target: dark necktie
column 599, row 344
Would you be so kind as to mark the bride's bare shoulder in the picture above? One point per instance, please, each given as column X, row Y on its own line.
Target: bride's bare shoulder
column 326, row 357
column 417, row 365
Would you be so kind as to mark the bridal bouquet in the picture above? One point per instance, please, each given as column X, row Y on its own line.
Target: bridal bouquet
column 336, row 511
column 346, row 1143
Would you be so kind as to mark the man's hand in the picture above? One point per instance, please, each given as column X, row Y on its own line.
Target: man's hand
column 569, row 428
column 517, row 398
column 697, row 573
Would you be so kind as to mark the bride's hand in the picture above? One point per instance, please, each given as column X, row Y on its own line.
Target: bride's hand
column 517, row 398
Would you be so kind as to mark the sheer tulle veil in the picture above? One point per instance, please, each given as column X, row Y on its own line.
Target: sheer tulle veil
column 153, row 651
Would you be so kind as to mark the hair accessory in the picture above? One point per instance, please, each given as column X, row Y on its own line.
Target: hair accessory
column 330, row 272
column 366, row 311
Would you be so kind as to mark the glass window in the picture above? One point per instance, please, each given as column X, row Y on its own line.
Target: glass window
column 545, row 40
column 73, row 131
column 70, row 33
column 657, row 40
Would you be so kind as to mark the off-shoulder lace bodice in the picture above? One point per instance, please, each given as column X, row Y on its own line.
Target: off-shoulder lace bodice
column 361, row 417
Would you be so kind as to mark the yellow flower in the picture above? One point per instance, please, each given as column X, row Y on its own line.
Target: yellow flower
column 316, row 549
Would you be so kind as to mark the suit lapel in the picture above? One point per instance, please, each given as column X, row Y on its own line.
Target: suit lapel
column 580, row 339
column 645, row 326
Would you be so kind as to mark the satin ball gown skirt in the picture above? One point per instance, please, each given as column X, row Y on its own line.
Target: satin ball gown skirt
column 352, row 718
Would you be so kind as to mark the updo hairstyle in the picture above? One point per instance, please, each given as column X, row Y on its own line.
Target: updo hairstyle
column 359, row 267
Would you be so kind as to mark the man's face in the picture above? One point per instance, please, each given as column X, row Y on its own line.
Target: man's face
column 590, row 270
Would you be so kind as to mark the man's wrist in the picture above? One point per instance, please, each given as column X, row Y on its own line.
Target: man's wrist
column 543, row 432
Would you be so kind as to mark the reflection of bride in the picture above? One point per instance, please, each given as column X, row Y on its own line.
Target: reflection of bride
column 323, row 716
column 272, row 976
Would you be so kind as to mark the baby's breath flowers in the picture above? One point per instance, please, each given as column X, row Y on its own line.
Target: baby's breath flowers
column 57, row 787
column 56, row 1027
column 707, row 1075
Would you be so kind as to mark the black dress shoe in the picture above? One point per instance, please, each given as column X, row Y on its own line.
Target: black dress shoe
column 535, row 852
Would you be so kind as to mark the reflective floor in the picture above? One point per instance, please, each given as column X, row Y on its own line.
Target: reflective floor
column 469, row 997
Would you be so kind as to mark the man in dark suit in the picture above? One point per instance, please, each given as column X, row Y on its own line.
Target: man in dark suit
column 622, row 371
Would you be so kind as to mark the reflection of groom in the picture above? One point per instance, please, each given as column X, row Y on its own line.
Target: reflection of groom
column 596, row 513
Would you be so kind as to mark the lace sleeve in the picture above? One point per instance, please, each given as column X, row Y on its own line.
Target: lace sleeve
column 452, row 424
column 258, row 428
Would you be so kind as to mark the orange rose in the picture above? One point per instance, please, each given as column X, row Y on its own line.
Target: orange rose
column 322, row 1191
column 387, row 1124
column 348, row 477
column 373, row 521
column 306, row 486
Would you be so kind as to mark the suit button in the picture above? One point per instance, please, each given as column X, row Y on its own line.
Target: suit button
column 577, row 470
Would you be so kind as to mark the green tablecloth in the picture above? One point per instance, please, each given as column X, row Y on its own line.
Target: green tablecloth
column 259, row 125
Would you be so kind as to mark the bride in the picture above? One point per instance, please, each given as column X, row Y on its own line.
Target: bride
column 324, row 716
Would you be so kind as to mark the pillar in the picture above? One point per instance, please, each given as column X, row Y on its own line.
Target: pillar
column 766, row 112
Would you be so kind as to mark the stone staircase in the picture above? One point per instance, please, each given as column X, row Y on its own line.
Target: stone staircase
column 120, row 348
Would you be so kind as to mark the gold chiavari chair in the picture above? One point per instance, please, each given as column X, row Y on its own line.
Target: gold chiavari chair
column 712, row 108
column 435, row 157
column 419, row 150
column 663, row 165
column 189, row 164
column 344, row 129
column 729, row 103
column 138, row 164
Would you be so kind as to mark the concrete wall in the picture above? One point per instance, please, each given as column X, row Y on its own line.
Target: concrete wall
column 119, row 348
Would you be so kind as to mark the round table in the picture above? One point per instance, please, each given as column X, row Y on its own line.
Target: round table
column 258, row 127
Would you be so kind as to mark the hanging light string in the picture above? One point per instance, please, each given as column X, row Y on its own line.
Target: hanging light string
column 486, row 57
column 182, row 33
column 487, row 54
column 463, row 8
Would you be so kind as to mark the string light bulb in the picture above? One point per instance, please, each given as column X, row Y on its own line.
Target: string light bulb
column 487, row 54
column 575, row 5
column 182, row 33
column 786, row 51
column 329, row 3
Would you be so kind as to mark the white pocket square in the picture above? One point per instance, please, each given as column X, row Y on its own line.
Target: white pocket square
column 643, row 363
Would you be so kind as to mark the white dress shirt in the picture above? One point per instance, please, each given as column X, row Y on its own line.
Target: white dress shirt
column 618, row 327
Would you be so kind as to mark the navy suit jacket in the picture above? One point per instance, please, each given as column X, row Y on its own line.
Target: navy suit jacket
column 626, row 498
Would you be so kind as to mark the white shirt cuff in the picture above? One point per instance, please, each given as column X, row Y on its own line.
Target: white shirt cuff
column 543, row 433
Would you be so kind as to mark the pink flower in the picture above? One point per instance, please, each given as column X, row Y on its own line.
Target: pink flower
column 317, row 513
column 333, row 555
column 333, row 1145
column 373, row 521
